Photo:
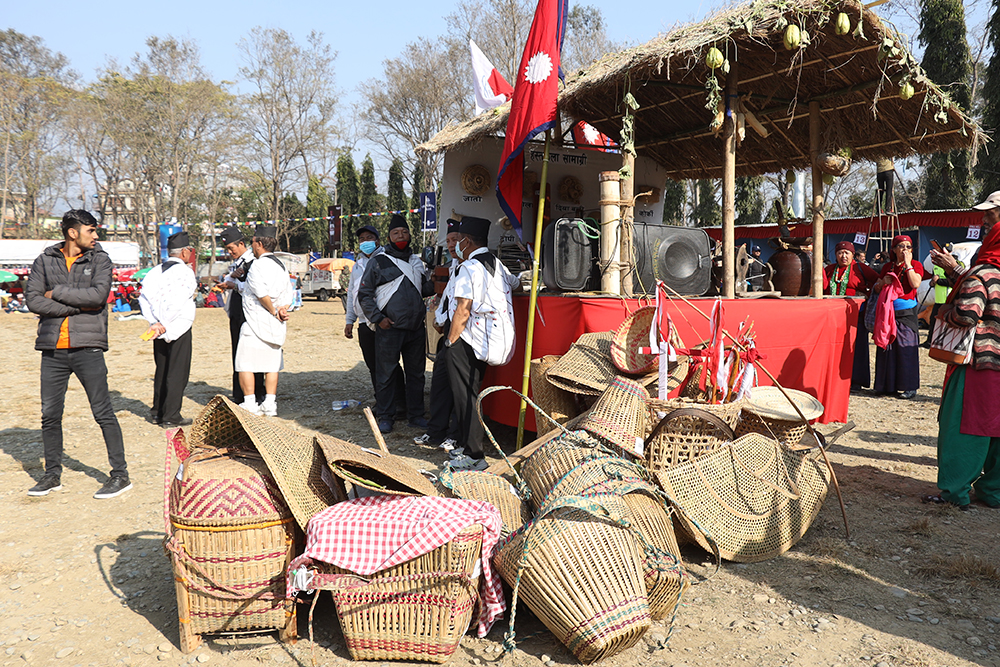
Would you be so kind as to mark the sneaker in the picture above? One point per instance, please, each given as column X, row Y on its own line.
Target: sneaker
column 908, row 394
column 252, row 408
column 456, row 452
column 269, row 409
column 418, row 422
column 425, row 440
column 385, row 426
column 449, row 444
column 467, row 463
column 49, row 482
column 114, row 487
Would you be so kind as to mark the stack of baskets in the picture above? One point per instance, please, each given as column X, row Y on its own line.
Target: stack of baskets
column 417, row 611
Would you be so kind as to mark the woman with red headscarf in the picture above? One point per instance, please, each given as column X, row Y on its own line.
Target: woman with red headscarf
column 897, row 367
column 969, row 421
column 849, row 278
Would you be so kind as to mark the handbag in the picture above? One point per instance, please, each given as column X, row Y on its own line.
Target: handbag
column 952, row 344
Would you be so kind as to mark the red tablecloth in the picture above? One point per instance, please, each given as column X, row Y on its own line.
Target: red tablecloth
column 809, row 343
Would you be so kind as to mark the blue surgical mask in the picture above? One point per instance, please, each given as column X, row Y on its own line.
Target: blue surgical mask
column 368, row 247
column 458, row 251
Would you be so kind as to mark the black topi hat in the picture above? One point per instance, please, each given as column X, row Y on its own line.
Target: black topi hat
column 453, row 225
column 178, row 241
column 479, row 227
column 398, row 221
column 266, row 232
column 231, row 235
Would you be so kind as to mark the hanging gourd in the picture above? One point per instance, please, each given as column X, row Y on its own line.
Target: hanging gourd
column 713, row 59
column 829, row 179
column 906, row 90
column 843, row 24
column 790, row 176
column 793, row 37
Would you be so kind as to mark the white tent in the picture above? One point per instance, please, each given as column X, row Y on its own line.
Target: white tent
column 19, row 254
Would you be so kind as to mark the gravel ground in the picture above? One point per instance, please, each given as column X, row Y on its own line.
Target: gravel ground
column 86, row 582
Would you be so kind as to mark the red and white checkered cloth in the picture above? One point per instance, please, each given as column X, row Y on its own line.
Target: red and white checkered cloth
column 368, row 535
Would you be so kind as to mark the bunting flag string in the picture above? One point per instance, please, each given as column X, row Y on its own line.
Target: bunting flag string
column 252, row 223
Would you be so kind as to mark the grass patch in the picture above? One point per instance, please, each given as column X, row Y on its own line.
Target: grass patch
column 972, row 568
column 922, row 526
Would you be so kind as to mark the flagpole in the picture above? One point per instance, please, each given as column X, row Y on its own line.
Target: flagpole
column 533, row 296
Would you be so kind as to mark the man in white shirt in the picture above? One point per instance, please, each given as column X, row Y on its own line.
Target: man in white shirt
column 267, row 294
column 482, row 332
column 242, row 256
column 167, row 303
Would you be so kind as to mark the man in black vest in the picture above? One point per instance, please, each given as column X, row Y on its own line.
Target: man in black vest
column 242, row 256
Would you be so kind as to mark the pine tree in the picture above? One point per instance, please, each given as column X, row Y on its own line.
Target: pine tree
column 947, row 63
column 368, row 198
column 749, row 197
column 416, row 187
column 988, row 169
column 348, row 194
column 396, row 197
column 674, row 198
column 707, row 211
column 318, row 201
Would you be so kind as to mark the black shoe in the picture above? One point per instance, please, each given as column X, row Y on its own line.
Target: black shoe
column 49, row 482
column 385, row 426
column 114, row 487
column 909, row 394
column 153, row 419
column 936, row 499
column 418, row 422
column 183, row 421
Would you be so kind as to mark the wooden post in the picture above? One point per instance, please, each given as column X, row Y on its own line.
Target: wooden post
column 610, row 204
column 817, row 201
column 627, row 217
column 729, row 188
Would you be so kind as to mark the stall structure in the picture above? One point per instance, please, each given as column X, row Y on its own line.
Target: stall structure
column 758, row 88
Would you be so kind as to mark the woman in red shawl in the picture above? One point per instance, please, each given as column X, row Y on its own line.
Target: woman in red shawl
column 849, row 278
column 897, row 367
column 969, row 418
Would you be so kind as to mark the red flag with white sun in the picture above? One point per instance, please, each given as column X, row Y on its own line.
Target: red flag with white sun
column 533, row 106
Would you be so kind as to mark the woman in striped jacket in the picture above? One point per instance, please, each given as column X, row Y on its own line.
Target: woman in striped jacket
column 969, row 418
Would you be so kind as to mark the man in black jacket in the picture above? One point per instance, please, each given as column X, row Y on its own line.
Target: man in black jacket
column 391, row 296
column 68, row 290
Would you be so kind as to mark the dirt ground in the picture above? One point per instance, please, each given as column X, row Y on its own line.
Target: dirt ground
column 86, row 582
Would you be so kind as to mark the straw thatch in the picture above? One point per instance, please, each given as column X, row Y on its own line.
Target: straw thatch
column 855, row 78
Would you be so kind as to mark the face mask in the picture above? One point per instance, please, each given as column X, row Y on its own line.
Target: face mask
column 367, row 247
column 402, row 245
column 458, row 251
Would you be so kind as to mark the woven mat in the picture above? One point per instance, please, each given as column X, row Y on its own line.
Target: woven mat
column 376, row 471
column 292, row 457
column 587, row 367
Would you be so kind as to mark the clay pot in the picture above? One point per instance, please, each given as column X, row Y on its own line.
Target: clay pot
column 792, row 272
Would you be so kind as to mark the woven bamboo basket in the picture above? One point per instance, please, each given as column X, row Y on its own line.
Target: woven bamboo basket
column 755, row 497
column 686, row 437
column 493, row 489
column 649, row 517
column 582, row 577
column 554, row 459
column 787, row 433
column 417, row 611
column 558, row 403
column 619, row 415
column 586, row 368
column 230, row 537
column 633, row 334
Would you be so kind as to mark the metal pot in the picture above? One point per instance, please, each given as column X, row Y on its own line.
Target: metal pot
column 792, row 271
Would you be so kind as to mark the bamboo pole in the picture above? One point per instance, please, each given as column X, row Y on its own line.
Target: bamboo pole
column 533, row 296
column 627, row 217
column 729, row 188
column 610, row 204
column 795, row 406
column 817, row 201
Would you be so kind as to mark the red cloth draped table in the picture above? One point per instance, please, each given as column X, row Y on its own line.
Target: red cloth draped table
column 808, row 343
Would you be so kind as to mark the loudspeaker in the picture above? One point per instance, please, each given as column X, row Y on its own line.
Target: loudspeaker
column 569, row 256
column 679, row 256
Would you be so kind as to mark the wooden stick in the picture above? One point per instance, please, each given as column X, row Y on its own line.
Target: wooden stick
column 809, row 428
column 374, row 426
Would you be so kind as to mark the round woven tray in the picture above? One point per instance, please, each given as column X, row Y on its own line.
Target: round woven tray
column 633, row 334
column 771, row 403
column 687, row 437
column 787, row 433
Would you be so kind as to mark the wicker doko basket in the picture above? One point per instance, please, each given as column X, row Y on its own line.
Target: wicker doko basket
column 554, row 459
column 417, row 611
column 555, row 401
column 619, row 415
column 493, row 489
column 582, row 577
column 687, row 436
column 231, row 538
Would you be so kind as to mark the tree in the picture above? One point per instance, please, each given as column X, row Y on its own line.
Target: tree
column 674, row 197
column 395, row 196
column 368, row 197
column 34, row 83
column 586, row 38
column 291, row 107
column 749, row 198
column 947, row 63
column 416, row 187
column 318, row 201
column 348, row 196
column 988, row 169
column 707, row 211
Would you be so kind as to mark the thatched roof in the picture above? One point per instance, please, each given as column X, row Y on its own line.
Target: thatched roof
column 856, row 78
